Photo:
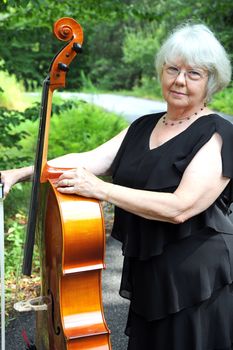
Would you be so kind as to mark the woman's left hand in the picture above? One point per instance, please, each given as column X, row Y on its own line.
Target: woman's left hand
column 82, row 182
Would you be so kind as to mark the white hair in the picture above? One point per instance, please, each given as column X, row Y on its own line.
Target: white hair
column 195, row 44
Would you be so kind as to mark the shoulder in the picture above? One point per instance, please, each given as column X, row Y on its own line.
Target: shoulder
column 221, row 124
column 224, row 128
column 212, row 123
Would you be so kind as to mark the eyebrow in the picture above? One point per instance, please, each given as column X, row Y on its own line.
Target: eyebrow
column 188, row 67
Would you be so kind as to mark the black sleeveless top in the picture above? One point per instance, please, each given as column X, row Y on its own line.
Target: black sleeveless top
column 161, row 169
column 153, row 245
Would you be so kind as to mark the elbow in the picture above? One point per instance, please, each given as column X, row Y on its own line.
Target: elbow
column 179, row 219
column 182, row 217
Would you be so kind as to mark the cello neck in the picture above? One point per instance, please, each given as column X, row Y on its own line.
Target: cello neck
column 46, row 107
column 68, row 30
column 41, row 155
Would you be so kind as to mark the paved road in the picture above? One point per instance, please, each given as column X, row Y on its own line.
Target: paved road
column 127, row 106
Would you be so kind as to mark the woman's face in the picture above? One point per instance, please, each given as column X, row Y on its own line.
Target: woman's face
column 183, row 85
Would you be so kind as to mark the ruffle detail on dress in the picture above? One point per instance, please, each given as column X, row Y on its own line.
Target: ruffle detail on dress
column 207, row 326
column 144, row 238
column 210, row 125
column 187, row 273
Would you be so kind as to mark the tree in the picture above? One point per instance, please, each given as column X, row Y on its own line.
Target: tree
column 111, row 28
column 26, row 39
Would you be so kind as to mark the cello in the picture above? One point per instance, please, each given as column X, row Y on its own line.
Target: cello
column 71, row 235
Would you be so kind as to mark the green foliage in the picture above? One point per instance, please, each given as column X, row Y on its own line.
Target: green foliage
column 10, row 138
column 14, row 241
column 223, row 101
column 120, row 36
column 87, row 84
column 11, row 92
column 139, row 50
column 149, row 88
column 32, row 44
column 17, row 202
column 79, row 129
column 83, row 129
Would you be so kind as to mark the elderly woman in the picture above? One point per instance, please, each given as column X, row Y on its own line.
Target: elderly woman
column 172, row 189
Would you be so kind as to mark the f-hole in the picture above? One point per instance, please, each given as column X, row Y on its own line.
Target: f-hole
column 57, row 329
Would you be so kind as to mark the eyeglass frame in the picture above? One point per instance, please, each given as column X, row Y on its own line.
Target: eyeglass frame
column 177, row 71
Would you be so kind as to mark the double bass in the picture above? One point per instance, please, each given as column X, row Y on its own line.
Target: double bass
column 71, row 234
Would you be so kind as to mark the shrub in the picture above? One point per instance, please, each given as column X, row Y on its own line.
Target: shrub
column 11, row 94
column 77, row 130
column 223, row 101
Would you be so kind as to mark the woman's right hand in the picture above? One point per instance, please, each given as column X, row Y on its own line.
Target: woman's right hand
column 10, row 177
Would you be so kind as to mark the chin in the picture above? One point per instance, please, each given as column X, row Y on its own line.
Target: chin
column 179, row 103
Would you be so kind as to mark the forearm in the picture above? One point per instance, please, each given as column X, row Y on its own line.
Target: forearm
column 88, row 160
column 98, row 161
column 17, row 175
column 24, row 174
column 174, row 207
column 151, row 205
column 10, row 177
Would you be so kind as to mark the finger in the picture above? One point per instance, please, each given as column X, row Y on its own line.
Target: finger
column 65, row 183
column 66, row 175
column 66, row 190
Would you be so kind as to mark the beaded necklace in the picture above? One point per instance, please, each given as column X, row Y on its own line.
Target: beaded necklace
column 179, row 121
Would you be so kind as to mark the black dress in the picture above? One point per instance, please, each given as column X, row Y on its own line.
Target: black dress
column 179, row 277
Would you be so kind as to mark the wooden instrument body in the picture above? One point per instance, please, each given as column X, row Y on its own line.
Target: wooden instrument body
column 73, row 245
column 70, row 232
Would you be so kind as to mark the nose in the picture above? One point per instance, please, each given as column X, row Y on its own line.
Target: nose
column 181, row 78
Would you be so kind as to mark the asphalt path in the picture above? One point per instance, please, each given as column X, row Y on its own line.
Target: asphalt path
column 128, row 107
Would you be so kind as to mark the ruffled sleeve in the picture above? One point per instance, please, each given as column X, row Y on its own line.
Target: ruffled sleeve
column 225, row 129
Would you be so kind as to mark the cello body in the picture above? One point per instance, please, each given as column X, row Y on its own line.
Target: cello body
column 70, row 232
column 73, row 242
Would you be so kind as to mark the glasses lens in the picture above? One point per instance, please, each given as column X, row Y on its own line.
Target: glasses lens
column 172, row 70
column 195, row 74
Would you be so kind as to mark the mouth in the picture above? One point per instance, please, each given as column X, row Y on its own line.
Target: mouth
column 177, row 93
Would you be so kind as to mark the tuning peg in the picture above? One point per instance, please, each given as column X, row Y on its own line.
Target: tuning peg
column 77, row 48
column 63, row 67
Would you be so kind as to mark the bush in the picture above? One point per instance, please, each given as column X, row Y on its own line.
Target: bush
column 149, row 88
column 223, row 101
column 11, row 94
column 77, row 130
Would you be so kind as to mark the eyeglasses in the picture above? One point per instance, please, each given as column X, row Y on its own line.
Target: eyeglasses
column 192, row 73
